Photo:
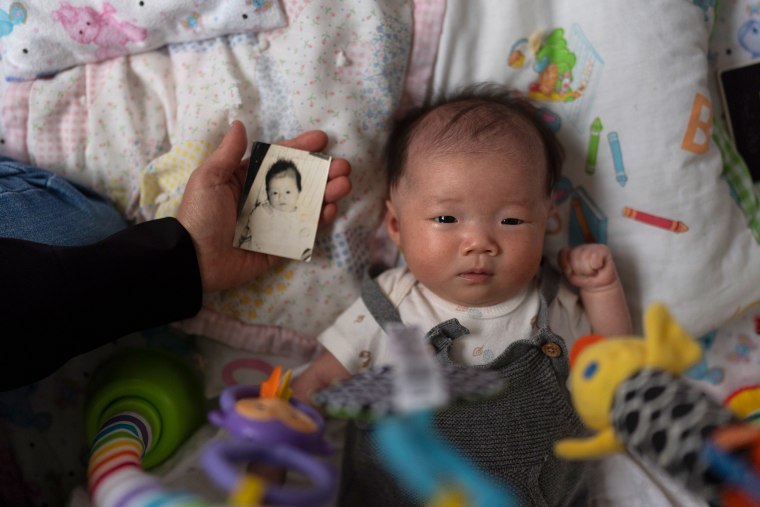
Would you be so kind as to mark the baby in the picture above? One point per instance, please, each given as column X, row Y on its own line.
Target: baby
column 275, row 220
column 470, row 182
column 283, row 184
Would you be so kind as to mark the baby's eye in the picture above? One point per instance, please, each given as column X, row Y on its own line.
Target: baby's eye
column 445, row 219
column 511, row 221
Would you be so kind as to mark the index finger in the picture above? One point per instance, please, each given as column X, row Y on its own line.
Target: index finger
column 312, row 140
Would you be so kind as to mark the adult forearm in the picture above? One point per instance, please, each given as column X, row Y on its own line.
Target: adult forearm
column 58, row 302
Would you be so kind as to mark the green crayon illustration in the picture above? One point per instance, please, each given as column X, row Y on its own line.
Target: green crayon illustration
column 593, row 145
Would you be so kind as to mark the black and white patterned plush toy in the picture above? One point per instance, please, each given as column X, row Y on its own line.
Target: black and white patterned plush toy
column 630, row 391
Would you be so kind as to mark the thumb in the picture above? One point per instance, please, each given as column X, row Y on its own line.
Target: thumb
column 225, row 159
column 596, row 262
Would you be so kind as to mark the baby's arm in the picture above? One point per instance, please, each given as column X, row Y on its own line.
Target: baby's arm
column 321, row 373
column 590, row 268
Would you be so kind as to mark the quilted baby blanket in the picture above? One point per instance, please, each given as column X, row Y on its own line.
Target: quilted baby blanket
column 42, row 37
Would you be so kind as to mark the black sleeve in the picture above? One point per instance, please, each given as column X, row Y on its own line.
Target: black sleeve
column 58, row 302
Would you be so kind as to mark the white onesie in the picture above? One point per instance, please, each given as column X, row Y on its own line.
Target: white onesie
column 358, row 342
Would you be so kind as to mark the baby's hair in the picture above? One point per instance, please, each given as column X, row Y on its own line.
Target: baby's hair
column 280, row 167
column 479, row 113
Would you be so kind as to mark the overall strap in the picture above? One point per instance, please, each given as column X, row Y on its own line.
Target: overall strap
column 548, row 287
column 551, row 344
column 384, row 312
column 378, row 304
column 442, row 336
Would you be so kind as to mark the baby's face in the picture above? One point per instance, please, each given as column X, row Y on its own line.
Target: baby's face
column 471, row 225
column 283, row 193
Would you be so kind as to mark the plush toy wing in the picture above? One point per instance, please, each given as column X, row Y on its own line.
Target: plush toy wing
column 602, row 444
column 668, row 345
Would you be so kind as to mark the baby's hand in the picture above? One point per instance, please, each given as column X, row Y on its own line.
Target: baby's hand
column 589, row 266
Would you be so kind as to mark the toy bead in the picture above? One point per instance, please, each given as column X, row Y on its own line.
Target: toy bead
column 220, row 460
column 268, row 427
column 247, row 415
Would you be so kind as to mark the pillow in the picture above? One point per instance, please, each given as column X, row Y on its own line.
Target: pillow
column 40, row 37
column 625, row 85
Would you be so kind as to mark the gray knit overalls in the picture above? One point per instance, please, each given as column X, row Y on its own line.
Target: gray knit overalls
column 510, row 437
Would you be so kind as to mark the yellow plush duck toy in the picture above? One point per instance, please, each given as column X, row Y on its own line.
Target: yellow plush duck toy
column 629, row 391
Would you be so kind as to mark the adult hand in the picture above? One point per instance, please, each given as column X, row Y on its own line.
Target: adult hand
column 210, row 204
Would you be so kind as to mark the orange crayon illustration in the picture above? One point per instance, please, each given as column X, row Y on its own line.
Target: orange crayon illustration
column 665, row 223
column 588, row 236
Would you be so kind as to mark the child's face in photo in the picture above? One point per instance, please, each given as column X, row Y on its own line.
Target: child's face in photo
column 471, row 225
column 283, row 192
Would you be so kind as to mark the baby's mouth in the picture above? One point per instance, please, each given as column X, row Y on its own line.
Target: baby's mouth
column 476, row 275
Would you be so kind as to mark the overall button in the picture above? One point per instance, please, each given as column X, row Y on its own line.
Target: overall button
column 551, row 349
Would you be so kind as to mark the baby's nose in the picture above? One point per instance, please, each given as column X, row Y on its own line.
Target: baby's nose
column 480, row 240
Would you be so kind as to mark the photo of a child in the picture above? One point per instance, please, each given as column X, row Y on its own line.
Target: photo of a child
column 281, row 210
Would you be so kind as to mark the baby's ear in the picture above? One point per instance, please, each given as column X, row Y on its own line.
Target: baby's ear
column 551, row 206
column 391, row 223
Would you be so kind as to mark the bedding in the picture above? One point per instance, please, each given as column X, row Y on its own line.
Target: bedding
column 135, row 127
column 628, row 87
column 41, row 38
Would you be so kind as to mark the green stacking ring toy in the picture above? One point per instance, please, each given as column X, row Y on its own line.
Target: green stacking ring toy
column 164, row 390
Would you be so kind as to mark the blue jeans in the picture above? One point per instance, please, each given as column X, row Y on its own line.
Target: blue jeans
column 40, row 206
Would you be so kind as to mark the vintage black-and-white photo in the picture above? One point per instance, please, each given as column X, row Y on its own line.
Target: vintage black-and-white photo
column 282, row 200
